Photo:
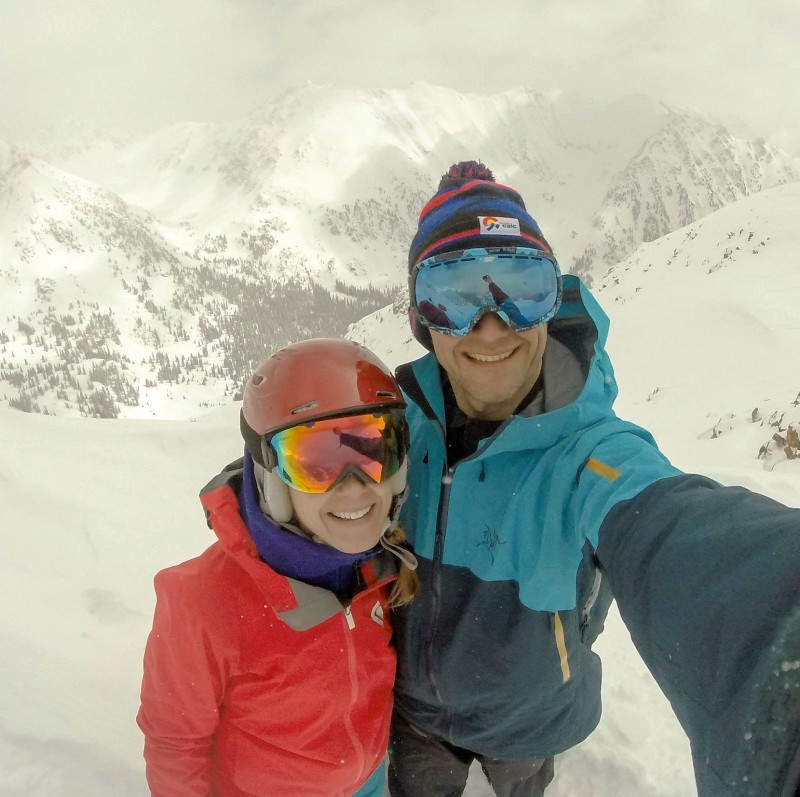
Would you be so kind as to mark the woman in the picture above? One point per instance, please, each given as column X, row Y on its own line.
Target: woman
column 269, row 669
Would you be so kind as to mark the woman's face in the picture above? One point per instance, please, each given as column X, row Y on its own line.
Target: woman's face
column 350, row 517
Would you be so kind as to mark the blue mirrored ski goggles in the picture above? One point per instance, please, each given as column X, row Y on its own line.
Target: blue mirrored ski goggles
column 450, row 293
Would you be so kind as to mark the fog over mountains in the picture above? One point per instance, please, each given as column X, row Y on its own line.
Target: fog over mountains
column 144, row 277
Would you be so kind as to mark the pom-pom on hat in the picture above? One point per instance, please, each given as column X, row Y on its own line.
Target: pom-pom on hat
column 470, row 209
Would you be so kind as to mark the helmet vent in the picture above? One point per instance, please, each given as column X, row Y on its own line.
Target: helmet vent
column 311, row 405
column 386, row 394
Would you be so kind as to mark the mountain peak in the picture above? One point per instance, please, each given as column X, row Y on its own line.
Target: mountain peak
column 186, row 253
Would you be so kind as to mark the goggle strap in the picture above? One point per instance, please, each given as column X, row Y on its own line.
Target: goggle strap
column 267, row 453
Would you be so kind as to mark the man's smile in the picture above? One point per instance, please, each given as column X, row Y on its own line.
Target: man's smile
column 490, row 358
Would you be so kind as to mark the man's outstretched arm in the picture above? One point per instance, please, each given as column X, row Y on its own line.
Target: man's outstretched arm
column 707, row 579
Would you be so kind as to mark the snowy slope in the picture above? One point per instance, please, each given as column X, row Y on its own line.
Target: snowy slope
column 687, row 169
column 91, row 290
column 715, row 304
column 81, row 545
column 106, row 312
column 58, row 228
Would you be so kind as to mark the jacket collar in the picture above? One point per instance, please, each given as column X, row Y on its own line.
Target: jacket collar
column 301, row 606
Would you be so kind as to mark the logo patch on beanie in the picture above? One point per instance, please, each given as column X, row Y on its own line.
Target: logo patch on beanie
column 498, row 225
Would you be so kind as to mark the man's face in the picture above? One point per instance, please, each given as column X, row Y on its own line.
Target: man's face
column 492, row 367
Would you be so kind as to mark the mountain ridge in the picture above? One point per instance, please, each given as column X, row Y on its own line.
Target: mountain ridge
column 209, row 244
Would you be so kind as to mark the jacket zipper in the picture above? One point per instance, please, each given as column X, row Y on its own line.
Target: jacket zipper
column 594, row 592
column 354, row 687
column 436, row 573
column 437, row 563
column 438, row 556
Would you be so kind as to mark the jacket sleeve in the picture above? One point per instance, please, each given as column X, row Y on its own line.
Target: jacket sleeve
column 707, row 579
column 182, row 691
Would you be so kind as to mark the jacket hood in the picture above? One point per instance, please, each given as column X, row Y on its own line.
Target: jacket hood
column 579, row 383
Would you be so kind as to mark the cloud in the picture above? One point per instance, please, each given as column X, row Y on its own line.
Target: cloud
column 133, row 63
column 151, row 62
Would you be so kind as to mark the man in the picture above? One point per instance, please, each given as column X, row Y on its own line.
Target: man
column 529, row 499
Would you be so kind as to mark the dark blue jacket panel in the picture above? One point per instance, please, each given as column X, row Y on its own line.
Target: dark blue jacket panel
column 486, row 673
column 707, row 579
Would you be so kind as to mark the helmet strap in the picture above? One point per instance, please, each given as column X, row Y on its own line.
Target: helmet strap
column 400, row 491
column 403, row 554
column 398, row 481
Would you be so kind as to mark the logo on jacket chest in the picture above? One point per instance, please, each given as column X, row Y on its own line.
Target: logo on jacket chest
column 377, row 613
column 491, row 541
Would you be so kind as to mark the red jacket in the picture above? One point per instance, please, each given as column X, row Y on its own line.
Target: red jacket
column 256, row 684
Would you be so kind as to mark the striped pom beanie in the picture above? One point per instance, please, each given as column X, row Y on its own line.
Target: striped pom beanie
column 470, row 210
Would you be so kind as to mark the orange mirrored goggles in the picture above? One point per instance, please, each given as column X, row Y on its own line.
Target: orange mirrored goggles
column 315, row 457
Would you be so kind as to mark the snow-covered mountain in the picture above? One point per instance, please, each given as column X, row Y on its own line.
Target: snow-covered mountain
column 359, row 163
column 686, row 170
column 106, row 312
column 74, row 262
column 145, row 276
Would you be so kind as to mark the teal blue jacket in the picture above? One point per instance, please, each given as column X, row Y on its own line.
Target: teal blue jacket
column 518, row 546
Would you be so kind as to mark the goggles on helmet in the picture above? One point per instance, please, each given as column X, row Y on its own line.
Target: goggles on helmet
column 451, row 292
column 316, row 456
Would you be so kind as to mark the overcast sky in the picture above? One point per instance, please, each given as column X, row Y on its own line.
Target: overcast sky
column 144, row 63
